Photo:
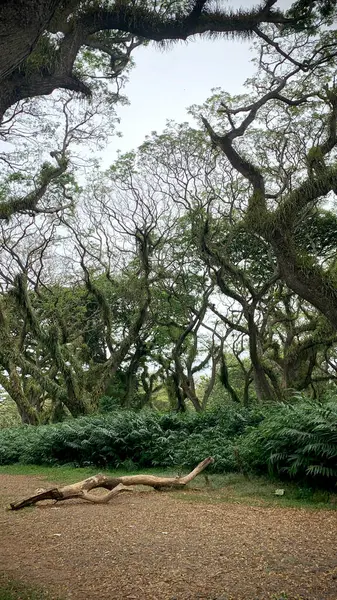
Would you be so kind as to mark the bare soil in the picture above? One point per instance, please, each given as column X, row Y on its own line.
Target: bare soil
column 157, row 546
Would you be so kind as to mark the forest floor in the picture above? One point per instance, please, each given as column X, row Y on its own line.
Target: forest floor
column 146, row 545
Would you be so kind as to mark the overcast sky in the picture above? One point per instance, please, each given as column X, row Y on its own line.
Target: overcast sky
column 166, row 82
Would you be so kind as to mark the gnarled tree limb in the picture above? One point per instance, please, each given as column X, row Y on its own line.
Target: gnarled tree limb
column 82, row 22
column 115, row 485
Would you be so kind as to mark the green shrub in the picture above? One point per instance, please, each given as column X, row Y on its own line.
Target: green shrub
column 143, row 439
column 197, row 446
column 108, row 404
column 297, row 440
column 231, row 420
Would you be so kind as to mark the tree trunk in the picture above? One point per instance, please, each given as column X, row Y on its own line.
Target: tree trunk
column 264, row 391
column 224, row 378
column 186, row 383
column 175, row 396
column 115, row 485
column 308, row 281
column 13, row 387
column 248, row 381
column 21, row 24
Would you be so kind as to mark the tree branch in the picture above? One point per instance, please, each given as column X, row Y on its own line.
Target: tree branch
column 138, row 20
column 141, row 22
column 115, row 484
column 28, row 204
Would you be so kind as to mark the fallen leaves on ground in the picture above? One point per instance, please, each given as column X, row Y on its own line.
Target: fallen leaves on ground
column 154, row 546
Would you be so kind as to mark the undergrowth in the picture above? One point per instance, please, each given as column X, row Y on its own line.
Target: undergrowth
column 296, row 441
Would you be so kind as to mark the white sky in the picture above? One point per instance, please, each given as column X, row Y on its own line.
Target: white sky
column 166, row 82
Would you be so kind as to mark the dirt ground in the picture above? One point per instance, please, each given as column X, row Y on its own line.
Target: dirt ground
column 156, row 546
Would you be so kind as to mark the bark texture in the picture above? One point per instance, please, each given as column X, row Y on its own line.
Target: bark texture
column 114, row 485
column 21, row 24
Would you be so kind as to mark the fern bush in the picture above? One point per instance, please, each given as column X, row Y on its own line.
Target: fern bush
column 143, row 439
column 297, row 440
column 231, row 420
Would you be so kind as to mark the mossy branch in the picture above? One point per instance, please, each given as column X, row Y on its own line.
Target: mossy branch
column 137, row 20
column 30, row 203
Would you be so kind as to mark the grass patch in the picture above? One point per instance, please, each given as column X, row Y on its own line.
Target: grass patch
column 57, row 474
column 14, row 590
column 68, row 474
column 209, row 488
column 258, row 491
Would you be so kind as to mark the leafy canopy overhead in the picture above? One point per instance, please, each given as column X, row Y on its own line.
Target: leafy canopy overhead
column 64, row 44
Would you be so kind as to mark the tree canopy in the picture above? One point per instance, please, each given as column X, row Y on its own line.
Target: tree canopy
column 204, row 260
column 55, row 43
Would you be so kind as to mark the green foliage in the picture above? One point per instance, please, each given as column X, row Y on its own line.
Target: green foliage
column 107, row 404
column 320, row 233
column 297, row 440
column 220, row 396
column 308, row 15
column 125, row 438
column 9, row 416
column 117, row 393
column 42, row 59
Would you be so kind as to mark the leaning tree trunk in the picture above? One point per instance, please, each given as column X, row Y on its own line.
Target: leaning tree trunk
column 82, row 489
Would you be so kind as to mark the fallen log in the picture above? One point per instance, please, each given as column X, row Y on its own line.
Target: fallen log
column 115, row 485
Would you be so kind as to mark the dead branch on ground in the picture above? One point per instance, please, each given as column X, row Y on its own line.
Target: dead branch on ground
column 115, row 485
